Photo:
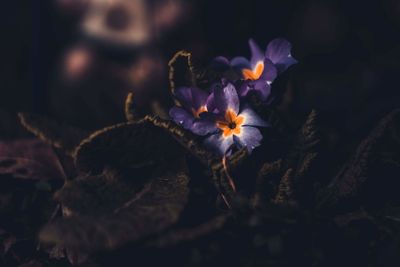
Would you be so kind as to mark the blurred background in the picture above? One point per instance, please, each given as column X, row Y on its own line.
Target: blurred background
column 75, row 60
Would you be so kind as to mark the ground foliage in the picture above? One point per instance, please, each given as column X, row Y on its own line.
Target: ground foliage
column 146, row 192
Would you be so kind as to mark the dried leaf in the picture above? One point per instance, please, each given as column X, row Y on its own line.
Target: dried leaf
column 59, row 135
column 266, row 178
column 159, row 111
column 350, row 179
column 305, row 164
column 186, row 139
column 130, row 111
column 29, row 159
column 304, row 150
column 191, row 143
column 10, row 126
column 125, row 145
column 308, row 136
column 97, row 195
column 237, row 158
column 285, row 190
column 149, row 212
column 269, row 169
column 172, row 66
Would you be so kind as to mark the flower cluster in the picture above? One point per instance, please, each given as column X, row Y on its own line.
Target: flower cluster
column 221, row 114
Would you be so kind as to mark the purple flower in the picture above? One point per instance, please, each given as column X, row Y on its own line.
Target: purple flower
column 279, row 52
column 193, row 108
column 263, row 67
column 232, row 124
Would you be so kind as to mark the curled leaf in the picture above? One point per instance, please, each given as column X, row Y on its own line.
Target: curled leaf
column 304, row 150
column 125, row 145
column 172, row 63
column 147, row 213
column 59, row 135
column 30, row 159
column 285, row 190
column 96, row 195
column 267, row 176
column 186, row 139
column 189, row 141
column 350, row 180
column 305, row 164
column 308, row 135
column 267, row 169
column 130, row 111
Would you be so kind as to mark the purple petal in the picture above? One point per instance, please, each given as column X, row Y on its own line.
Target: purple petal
column 279, row 52
column 184, row 96
column 220, row 63
column 205, row 125
column 199, row 97
column 191, row 97
column 263, row 88
column 270, row 72
column 240, row 63
column 252, row 119
column 181, row 117
column 221, row 60
column 218, row 143
column 226, row 98
column 211, row 103
column 249, row 137
column 257, row 54
column 244, row 88
column 211, row 107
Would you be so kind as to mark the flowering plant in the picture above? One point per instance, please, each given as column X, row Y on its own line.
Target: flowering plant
column 226, row 120
column 144, row 184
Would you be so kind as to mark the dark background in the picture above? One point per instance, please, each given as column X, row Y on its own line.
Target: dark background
column 348, row 50
column 348, row 53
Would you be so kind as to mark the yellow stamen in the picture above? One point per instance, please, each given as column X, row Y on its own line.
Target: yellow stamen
column 232, row 124
column 253, row 74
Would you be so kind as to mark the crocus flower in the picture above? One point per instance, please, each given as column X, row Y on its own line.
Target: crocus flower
column 193, row 106
column 233, row 125
column 263, row 67
column 278, row 52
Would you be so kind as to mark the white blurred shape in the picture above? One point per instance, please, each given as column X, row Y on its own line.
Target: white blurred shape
column 120, row 22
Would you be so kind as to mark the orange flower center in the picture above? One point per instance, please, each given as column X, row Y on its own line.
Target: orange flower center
column 255, row 73
column 196, row 113
column 232, row 123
